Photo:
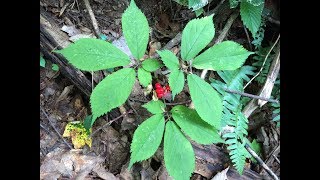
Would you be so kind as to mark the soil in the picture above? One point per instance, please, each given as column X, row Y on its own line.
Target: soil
column 63, row 102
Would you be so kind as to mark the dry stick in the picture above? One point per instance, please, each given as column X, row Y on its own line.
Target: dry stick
column 251, row 95
column 214, row 11
column 51, row 124
column 269, row 171
column 275, row 157
column 267, row 87
column 265, row 59
column 110, row 122
column 93, row 18
column 248, row 37
column 222, row 36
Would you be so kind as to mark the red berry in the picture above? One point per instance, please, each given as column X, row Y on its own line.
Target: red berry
column 157, row 85
column 168, row 88
column 160, row 95
column 159, row 91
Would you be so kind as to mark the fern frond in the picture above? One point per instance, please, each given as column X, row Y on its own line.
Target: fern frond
column 232, row 115
column 237, row 153
column 232, row 80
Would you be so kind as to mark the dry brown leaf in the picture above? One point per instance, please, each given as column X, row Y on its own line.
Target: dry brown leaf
column 64, row 93
column 221, row 175
column 71, row 164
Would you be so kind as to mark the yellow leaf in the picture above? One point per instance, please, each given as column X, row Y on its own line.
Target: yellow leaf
column 78, row 133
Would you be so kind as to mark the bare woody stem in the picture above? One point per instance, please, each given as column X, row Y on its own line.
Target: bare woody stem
column 251, row 95
column 259, row 160
column 93, row 18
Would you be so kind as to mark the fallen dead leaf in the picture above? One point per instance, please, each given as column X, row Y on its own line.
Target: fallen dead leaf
column 103, row 173
column 221, row 175
column 78, row 133
column 64, row 93
column 71, row 30
column 69, row 164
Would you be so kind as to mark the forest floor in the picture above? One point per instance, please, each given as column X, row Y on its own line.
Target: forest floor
column 62, row 102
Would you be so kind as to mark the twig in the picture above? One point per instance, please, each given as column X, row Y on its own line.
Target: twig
column 140, row 100
column 270, row 19
column 248, row 37
column 251, row 95
column 259, row 160
column 93, row 18
column 50, row 122
column 222, row 36
column 134, row 110
column 267, row 87
column 275, row 157
column 173, row 42
column 214, row 11
column 110, row 122
column 265, row 59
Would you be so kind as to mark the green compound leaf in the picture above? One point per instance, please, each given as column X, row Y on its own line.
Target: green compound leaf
column 207, row 101
column 151, row 65
column 191, row 124
column 179, row 156
column 111, row 92
column 196, row 35
column 90, row 54
column 169, row 59
column 147, row 138
column 135, row 29
column 251, row 16
column 227, row 55
column 176, row 82
column 155, row 107
column 144, row 77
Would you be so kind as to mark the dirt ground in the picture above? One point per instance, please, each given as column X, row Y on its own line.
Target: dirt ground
column 61, row 102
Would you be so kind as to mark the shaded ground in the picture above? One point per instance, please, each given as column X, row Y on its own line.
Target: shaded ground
column 64, row 103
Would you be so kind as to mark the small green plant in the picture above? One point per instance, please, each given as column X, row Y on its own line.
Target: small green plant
column 250, row 12
column 43, row 64
column 201, row 124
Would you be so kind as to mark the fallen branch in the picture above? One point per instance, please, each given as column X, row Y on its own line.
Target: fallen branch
column 55, row 129
column 222, row 36
column 259, row 160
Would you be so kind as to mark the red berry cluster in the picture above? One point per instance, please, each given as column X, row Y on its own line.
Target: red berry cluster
column 161, row 91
